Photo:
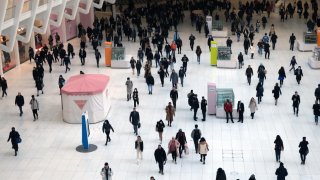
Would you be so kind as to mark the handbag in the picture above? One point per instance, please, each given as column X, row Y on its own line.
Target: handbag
column 19, row 140
column 139, row 125
column 186, row 149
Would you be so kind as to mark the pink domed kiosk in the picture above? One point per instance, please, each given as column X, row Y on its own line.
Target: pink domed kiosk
column 86, row 92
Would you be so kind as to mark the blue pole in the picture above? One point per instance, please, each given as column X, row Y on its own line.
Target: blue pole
column 85, row 142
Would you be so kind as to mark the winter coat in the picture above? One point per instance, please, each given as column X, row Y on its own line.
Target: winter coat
column 34, row 104
column 281, row 173
column 19, row 100
column 253, row 106
column 316, row 109
column 129, row 85
column 276, row 92
column 203, row 147
column 170, row 112
column 173, row 145
column 104, row 173
column 134, row 118
column 259, row 90
column 228, row 106
column 160, row 155
column 174, row 77
column 138, row 144
column 295, row 100
column 150, row 80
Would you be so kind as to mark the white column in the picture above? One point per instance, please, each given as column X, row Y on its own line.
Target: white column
column 15, row 53
column 114, row 10
column 32, row 41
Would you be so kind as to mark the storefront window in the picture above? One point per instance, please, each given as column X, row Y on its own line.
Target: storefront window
column 7, row 61
column 23, row 51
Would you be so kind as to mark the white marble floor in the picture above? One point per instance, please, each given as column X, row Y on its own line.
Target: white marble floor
column 48, row 147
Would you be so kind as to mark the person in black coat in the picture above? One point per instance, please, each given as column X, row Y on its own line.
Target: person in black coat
column 134, row 119
column 82, row 55
column 39, row 85
column 67, row 61
column 195, row 105
column 259, row 90
column 19, row 102
column 161, row 74
column 135, row 97
column 316, row 111
column 14, row 136
column 150, row 82
column 282, row 75
column 249, row 74
column 50, row 60
column 221, row 175
column 182, row 75
column 304, row 150
column 160, row 157
column 98, row 56
column 106, row 128
column 298, row 72
column 317, row 93
column 159, row 128
column 276, row 93
column 278, row 147
column 138, row 67
column 62, row 54
column 203, row 108
column 174, row 96
column 292, row 39
column 31, row 53
column 240, row 60
column 295, row 103
column 281, row 172
column 266, row 50
column 240, row 110
column 4, row 86
column 70, row 50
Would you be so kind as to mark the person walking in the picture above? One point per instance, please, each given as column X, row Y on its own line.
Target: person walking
column 174, row 97
column 82, row 55
column 293, row 62
column 133, row 64
column 203, row 149
column 278, row 147
column 295, row 103
column 66, row 61
column 261, row 74
column 221, row 175
column 135, row 97
column 274, row 38
column 196, row 135
column 292, row 39
column 249, row 74
column 304, row 150
column 31, row 54
column 203, row 108
column 298, row 72
column 70, row 50
column 276, row 93
column 98, row 56
column 252, row 50
column 40, row 86
column 138, row 67
column 240, row 110
column 170, row 112
column 181, row 138
column 192, row 39
column 198, row 53
column 185, row 61
column 134, row 119
column 159, row 128
column 316, row 111
column 195, row 105
column 161, row 75
column 173, row 147
column 129, row 86
column 253, row 107
column 259, row 93
column 282, row 75
column 61, row 82
column 228, row 109
column 150, row 82
column 106, row 172
column 174, row 79
column 281, row 172
column 50, row 60
column 138, row 145
column 266, row 50
column 240, row 60
column 106, row 128
column 19, row 102
column 317, row 93
column 182, row 75
column 160, row 157
column 4, row 86
column 15, row 138
column 34, row 107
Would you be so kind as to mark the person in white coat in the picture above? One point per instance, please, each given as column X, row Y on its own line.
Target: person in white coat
column 253, row 107
column 252, row 50
column 106, row 172
column 203, row 149
column 34, row 107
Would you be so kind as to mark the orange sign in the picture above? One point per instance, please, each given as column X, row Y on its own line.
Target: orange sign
column 318, row 36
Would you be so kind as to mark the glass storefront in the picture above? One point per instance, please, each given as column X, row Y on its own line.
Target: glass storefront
column 23, row 51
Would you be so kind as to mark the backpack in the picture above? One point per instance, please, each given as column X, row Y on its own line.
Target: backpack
column 196, row 134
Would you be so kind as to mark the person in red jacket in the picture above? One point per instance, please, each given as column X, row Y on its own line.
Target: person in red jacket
column 228, row 108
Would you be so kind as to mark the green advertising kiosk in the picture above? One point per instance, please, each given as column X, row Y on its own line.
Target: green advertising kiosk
column 214, row 53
